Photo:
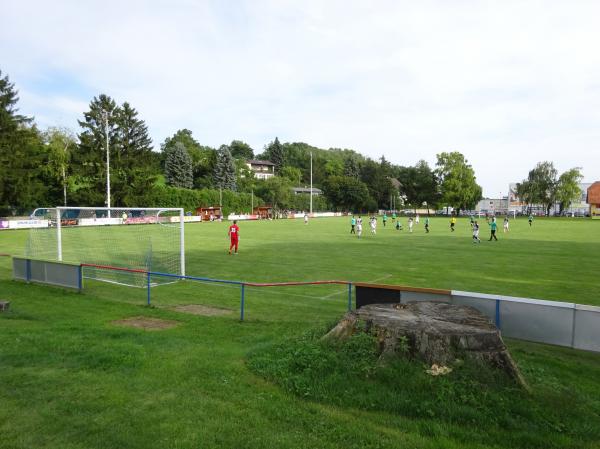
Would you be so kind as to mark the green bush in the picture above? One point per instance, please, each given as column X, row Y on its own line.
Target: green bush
column 190, row 199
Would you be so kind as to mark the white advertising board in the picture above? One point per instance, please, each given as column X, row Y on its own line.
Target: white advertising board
column 25, row 224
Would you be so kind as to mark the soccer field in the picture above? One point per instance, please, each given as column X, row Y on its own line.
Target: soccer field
column 554, row 259
column 71, row 378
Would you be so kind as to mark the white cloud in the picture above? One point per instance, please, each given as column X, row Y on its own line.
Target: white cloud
column 506, row 83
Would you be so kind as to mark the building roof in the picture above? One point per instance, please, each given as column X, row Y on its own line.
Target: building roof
column 593, row 193
column 257, row 162
column 306, row 190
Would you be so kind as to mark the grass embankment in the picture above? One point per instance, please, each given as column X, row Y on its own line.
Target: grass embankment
column 70, row 378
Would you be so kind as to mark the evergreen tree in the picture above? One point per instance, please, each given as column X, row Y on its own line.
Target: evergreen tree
column 89, row 160
column 224, row 175
column 275, row 153
column 22, row 156
column 203, row 157
column 178, row 167
column 135, row 165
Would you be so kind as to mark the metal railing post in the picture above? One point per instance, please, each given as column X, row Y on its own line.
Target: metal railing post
column 349, row 296
column 242, row 304
column 148, row 285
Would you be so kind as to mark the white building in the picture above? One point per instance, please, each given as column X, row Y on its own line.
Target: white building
column 493, row 206
column 579, row 206
column 261, row 169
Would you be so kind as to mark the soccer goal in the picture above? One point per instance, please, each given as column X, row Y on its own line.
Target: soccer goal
column 116, row 244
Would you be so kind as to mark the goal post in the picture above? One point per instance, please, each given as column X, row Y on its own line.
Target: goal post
column 137, row 239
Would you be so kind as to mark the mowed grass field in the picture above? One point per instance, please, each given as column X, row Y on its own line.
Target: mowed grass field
column 72, row 378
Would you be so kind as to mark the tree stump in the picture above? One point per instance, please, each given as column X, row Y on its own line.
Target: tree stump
column 437, row 333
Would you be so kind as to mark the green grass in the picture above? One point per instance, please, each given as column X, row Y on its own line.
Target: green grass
column 71, row 379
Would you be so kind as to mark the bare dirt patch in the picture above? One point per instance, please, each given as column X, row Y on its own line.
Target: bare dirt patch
column 146, row 323
column 198, row 309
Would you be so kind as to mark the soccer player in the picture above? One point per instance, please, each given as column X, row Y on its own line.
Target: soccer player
column 373, row 224
column 410, row 224
column 493, row 227
column 359, row 226
column 530, row 219
column 384, row 218
column 417, row 219
column 426, row 224
column 305, row 219
column 476, row 233
column 452, row 223
column 353, row 224
column 506, row 224
column 234, row 236
column 398, row 225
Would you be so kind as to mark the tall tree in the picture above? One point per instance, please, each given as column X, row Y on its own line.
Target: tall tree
column 178, row 167
column 275, row 190
column 377, row 178
column 567, row 188
column 292, row 173
column 203, row 158
column 90, row 158
column 59, row 143
column 541, row 184
column 136, row 165
column 241, row 150
column 346, row 193
column 274, row 151
column 457, row 181
column 133, row 165
column 351, row 169
column 427, row 188
column 224, row 175
column 22, row 156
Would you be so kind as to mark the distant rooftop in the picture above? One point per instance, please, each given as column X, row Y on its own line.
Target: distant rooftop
column 306, row 190
column 257, row 162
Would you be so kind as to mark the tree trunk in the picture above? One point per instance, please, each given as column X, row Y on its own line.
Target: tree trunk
column 436, row 333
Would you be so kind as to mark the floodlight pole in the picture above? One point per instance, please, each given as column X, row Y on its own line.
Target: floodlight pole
column 311, row 185
column 59, row 234
column 105, row 116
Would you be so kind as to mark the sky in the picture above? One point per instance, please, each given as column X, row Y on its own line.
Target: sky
column 506, row 83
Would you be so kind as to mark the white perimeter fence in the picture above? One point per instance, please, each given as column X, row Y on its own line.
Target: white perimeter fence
column 557, row 323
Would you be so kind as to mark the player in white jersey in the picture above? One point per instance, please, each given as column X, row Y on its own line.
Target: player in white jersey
column 476, row 233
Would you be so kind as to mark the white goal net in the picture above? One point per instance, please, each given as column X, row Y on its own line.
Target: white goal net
column 118, row 244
